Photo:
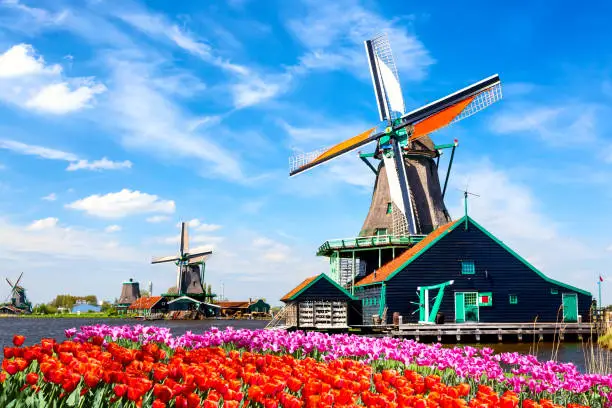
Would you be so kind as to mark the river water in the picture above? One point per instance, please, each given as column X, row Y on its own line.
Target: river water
column 36, row 329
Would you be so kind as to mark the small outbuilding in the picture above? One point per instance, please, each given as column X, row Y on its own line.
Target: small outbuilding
column 146, row 306
column 319, row 302
column 242, row 308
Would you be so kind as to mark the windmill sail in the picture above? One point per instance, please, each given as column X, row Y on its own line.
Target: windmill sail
column 454, row 107
column 399, row 189
column 385, row 79
column 303, row 162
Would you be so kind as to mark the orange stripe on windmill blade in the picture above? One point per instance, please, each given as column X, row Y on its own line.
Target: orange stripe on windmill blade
column 440, row 119
column 347, row 145
column 305, row 161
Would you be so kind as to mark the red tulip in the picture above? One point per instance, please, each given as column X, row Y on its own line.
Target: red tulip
column 120, row 390
column 18, row 340
column 31, row 378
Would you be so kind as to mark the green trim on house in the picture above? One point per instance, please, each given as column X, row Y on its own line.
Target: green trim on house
column 329, row 280
column 495, row 239
column 383, row 299
column 530, row 266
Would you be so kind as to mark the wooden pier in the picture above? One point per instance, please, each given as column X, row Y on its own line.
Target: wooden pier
column 488, row 332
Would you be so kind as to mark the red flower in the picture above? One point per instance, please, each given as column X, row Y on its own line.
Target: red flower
column 31, row 378
column 181, row 402
column 120, row 390
column 10, row 367
column 162, row 392
column 18, row 340
column 158, row 404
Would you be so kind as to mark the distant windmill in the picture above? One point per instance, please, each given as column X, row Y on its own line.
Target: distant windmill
column 408, row 188
column 18, row 295
column 188, row 278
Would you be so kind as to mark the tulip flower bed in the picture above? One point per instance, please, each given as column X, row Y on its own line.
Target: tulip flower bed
column 103, row 366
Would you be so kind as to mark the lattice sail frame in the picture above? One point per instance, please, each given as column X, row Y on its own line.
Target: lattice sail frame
column 382, row 49
column 301, row 159
column 480, row 102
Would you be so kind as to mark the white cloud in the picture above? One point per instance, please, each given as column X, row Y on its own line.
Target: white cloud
column 198, row 225
column 208, row 227
column 557, row 125
column 254, row 90
column 149, row 120
column 32, row 150
column 26, row 81
column 158, row 218
column 122, row 204
column 333, row 33
column 54, row 154
column 50, row 197
column 60, row 99
column 112, row 228
column 271, row 250
column 248, row 88
column 609, row 249
column 102, row 164
column 47, row 238
column 21, row 60
column 42, row 224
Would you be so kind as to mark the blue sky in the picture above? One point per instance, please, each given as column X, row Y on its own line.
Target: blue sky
column 120, row 119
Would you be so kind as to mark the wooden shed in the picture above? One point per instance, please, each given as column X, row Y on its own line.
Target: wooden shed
column 486, row 281
column 319, row 302
column 146, row 306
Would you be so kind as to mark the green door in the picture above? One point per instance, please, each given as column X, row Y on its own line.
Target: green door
column 471, row 306
column 570, row 307
column 459, row 308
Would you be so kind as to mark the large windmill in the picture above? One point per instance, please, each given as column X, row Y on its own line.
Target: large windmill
column 407, row 184
column 189, row 278
column 18, row 295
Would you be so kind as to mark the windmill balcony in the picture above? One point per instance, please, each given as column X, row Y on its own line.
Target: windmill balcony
column 373, row 242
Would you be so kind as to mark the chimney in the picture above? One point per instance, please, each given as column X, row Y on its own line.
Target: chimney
column 250, row 301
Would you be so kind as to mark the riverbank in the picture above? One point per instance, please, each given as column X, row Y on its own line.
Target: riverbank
column 66, row 316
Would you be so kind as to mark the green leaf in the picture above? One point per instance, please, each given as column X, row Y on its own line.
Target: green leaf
column 98, row 399
column 73, row 398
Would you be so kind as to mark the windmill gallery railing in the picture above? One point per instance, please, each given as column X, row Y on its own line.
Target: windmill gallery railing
column 368, row 242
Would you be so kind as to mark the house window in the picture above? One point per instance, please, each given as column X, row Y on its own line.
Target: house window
column 513, row 299
column 485, row 299
column 389, row 208
column 554, row 291
column 468, row 268
column 381, row 231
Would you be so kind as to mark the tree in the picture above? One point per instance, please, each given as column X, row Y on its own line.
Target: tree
column 172, row 289
column 144, row 293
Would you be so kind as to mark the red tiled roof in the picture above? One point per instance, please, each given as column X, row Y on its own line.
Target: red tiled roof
column 145, row 302
column 298, row 288
column 387, row 269
column 238, row 304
